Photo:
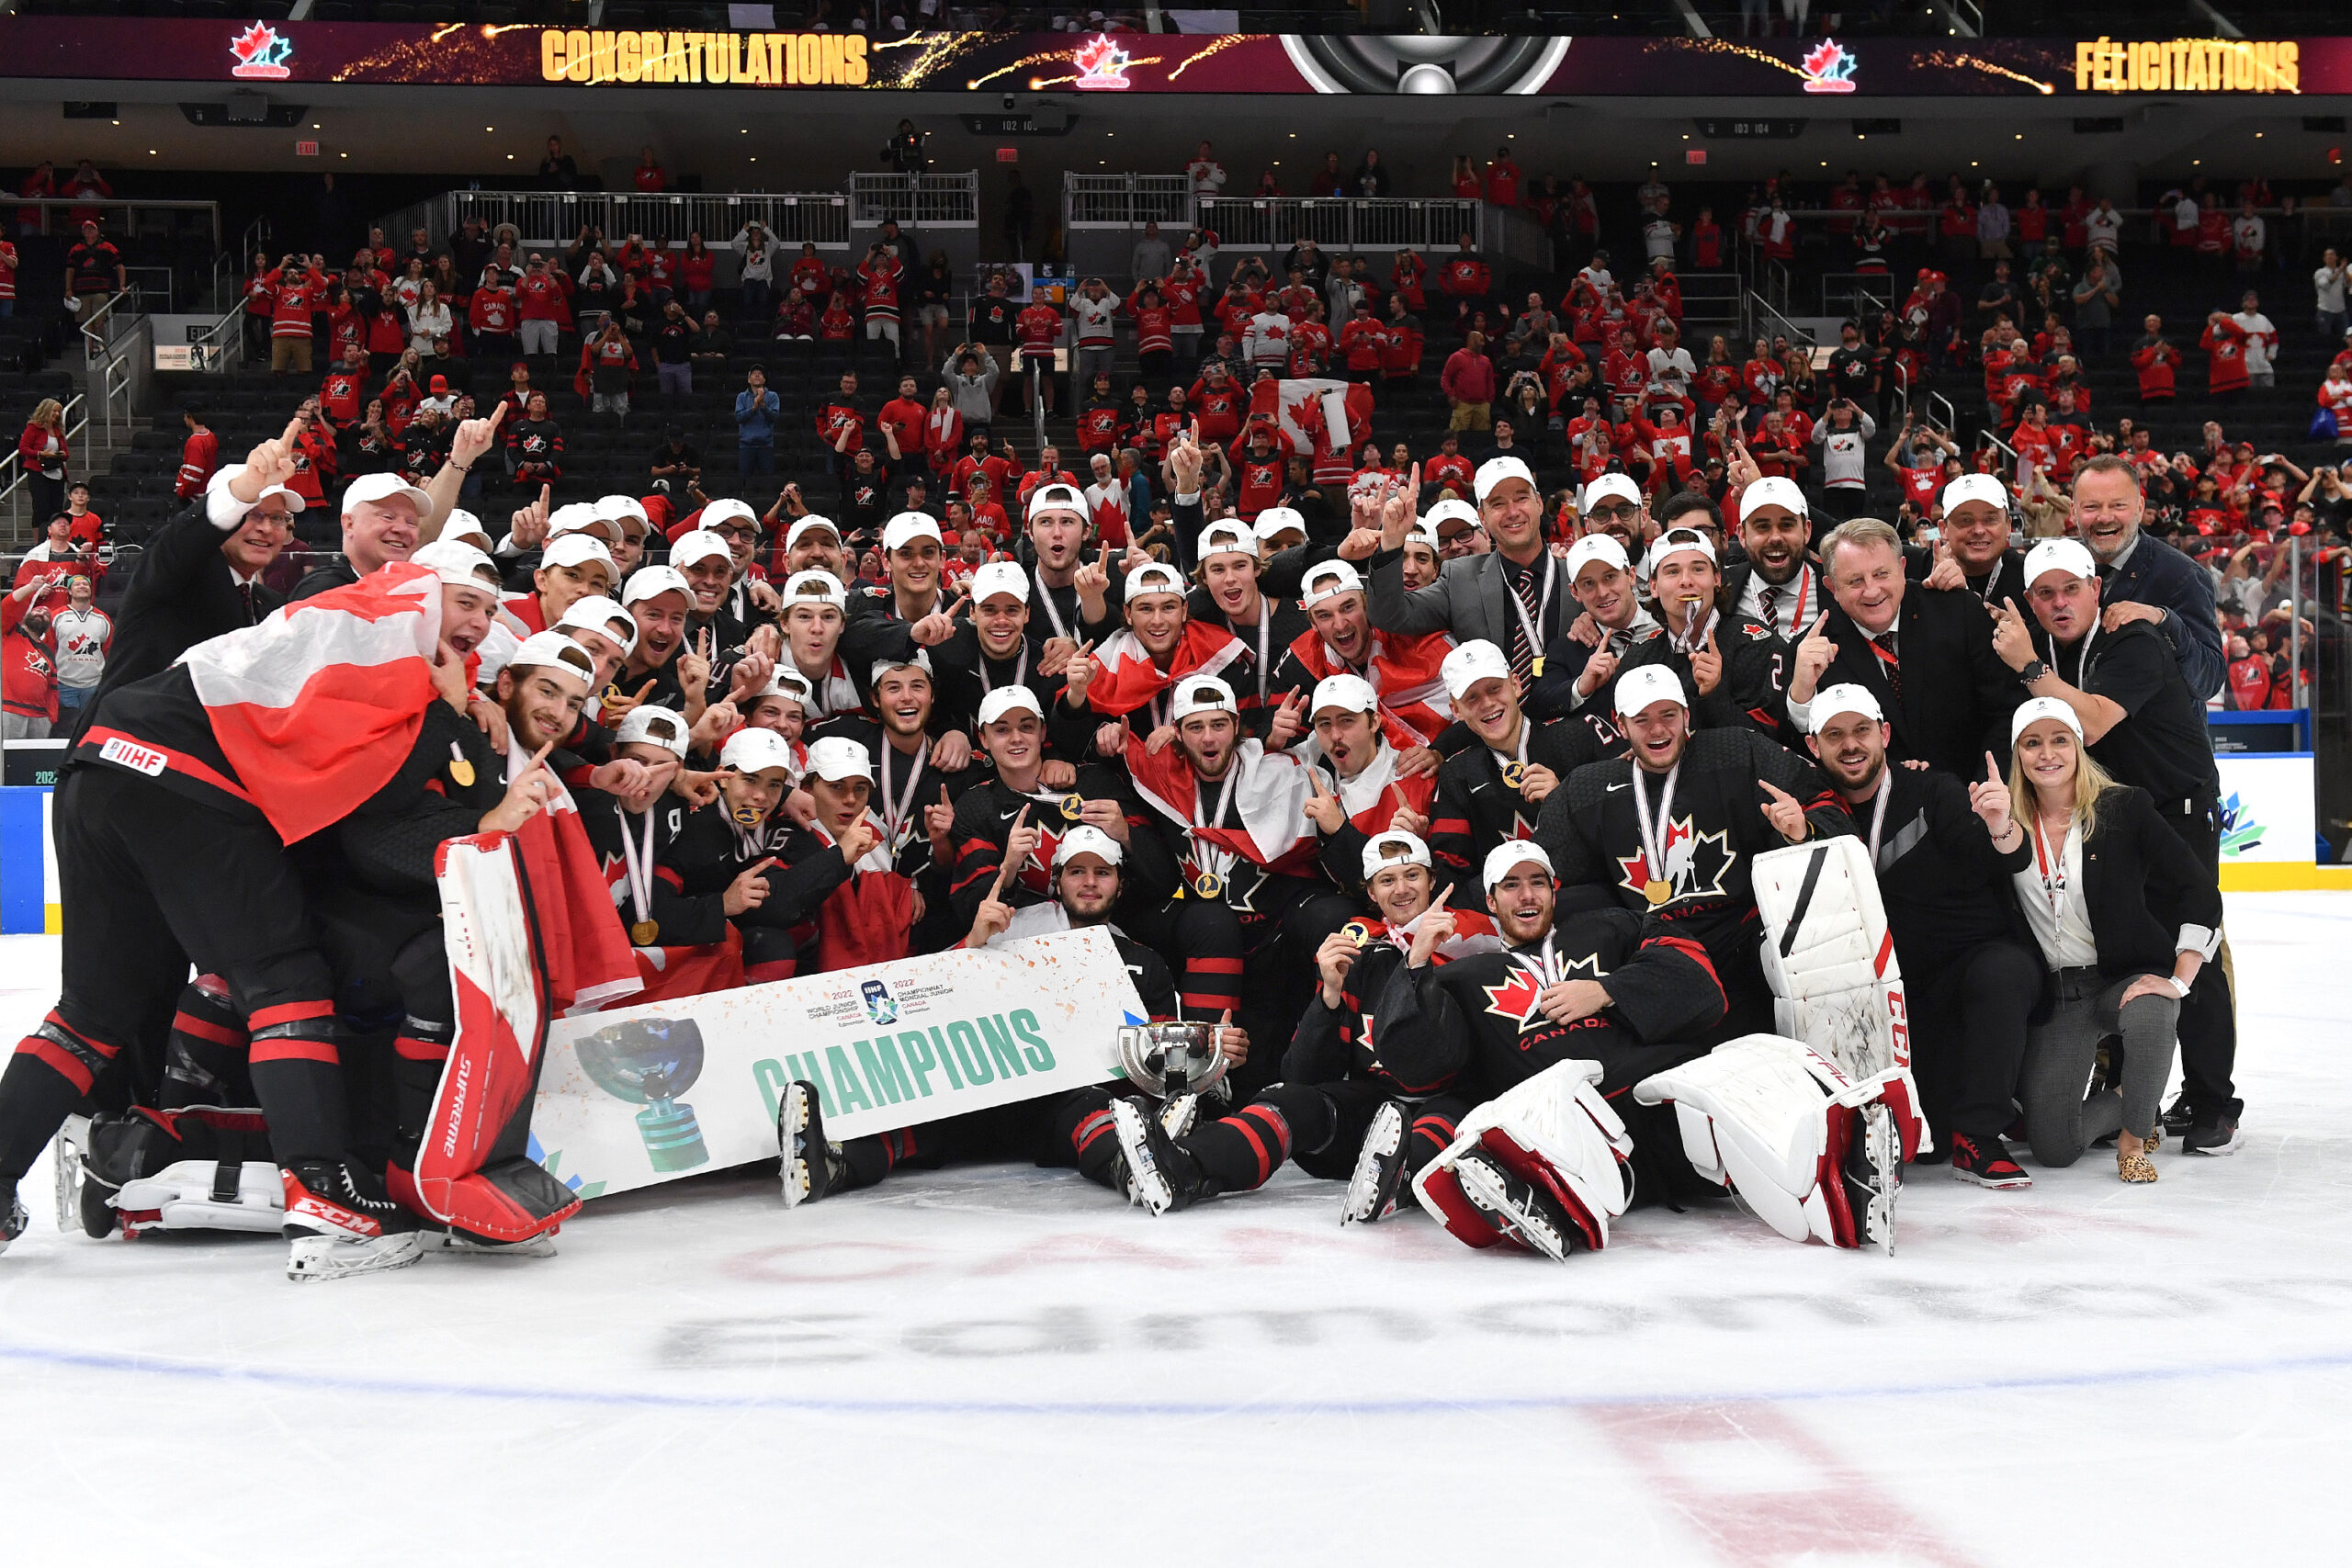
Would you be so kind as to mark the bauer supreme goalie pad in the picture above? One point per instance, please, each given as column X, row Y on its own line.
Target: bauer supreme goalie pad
column 1829, row 955
column 1806, row 1148
column 1543, row 1162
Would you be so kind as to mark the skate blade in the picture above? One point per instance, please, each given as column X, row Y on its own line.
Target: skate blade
column 335, row 1257
column 1362, row 1204
column 1179, row 1114
column 72, row 1141
column 1151, row 1186
column 1885, row 1146
column 540, row 1246
column 1485, row 1191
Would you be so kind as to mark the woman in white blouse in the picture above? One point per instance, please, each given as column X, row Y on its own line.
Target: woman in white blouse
column 429, row 322
column 2125, row 915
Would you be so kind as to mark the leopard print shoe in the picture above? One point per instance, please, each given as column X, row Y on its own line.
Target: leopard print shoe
column 2135, row 1167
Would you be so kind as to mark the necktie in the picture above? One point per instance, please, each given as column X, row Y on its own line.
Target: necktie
column 245, row 591
column 1522, row 657
column 1892, row 667
column 1771, row 601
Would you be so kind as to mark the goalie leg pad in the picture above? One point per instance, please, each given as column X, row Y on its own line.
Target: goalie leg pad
column 1554, row 1131
column 1828, row 954
column 1767, row 1130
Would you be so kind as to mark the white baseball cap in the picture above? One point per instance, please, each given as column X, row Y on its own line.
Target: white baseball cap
column 578, row 550
column 837, row 758
column 1844, row 697
column 623, row 510
column 789, row 684
column 700, row 544
column 1156, row 577
column 1495, row 470
column 555, row 651
column 597, row 614
column 1453, row 509
column 719, row 511
column 1771, row 490
column 456, row 562
column 1278, row 520
column 1003, row 700
column 652, row 581
column 384, row 487
column 1055, row 497
column 1470, row 664
column 815, row 586
column 999, row 577
column 1227, row 534
column 1421, row 533
column 792, row 535
column 460, row 524
column 1593, row 548
column 1619, row 485
column 578, row 517
column 1674, row 541
column 2034, row 708
column 1202, row 694
column 1646, row 683
column 1328, row 580
column 909, row 527
column 1384, row 850
column 1088, row 839
column 653, row 727
column 919, row 659
column 2068, row 555
column 1511, row 853
column 295, row 503
column 498, row 645
column 755, row 750
column 1349, row 694
column 1975, row 487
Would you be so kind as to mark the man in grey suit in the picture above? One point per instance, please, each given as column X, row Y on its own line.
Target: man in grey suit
column 1516, row 597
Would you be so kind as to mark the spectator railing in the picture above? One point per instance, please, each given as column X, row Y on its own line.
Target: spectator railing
column 1345, row 223
column 118, row 349
column 925, row 200
column 1127, row 201
column 55, row 215
column 1847, row 294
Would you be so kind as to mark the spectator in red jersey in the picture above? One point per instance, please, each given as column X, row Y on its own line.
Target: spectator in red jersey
column 839, row 425
column 1218, row 402
column 1503, row 179
column 57, row 558
column 607, row 371
column 1465, row 279
column 1155, row 332
column 941, row 436
column 1468, row 382
column 1038, row 330
column 40, row 183
column 28, row 673
column 491, row 313
column 7, row 279
column 42, row 456
column 648, row 176
column 199, row 455
column 1449, row 468
column 2157, row 360
column 540, row 308
column 2225, row 345
column 94, row 271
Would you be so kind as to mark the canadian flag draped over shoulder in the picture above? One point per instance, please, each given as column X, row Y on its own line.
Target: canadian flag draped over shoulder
column 1307, row 407
column 317, row 706
column 1404, row 673
column 1373, row 798
column 1271, row 796
column 1129, row 678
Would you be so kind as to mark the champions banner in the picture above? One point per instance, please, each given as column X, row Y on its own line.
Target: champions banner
column 615, row 60
column 640, row 1095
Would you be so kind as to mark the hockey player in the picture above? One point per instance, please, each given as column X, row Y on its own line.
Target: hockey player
column 814, row 611
column 871, row 913
column 1352, row 1101
column 1229, row 599
column 1737, row 667
column 1672, row 827
column 1404, row 671
column 1068, row 601
column 1945, row 856
column 1073, row 1129
column 1360, row 789
column 746, row 831
column 911, row 799
column 1494, row 790
column 1136, row 672
column 991, row 649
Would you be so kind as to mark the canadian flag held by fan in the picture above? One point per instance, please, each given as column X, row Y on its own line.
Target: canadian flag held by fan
column 1338, row 411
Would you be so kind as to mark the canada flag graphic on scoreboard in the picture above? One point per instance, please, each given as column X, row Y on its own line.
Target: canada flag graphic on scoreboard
column 261, row 53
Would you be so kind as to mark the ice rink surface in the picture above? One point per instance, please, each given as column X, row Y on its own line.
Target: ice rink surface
column 1005, row 1365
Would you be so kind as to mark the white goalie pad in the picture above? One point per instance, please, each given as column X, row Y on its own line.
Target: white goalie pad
column 1808, row 1150
column 192, row 1195
column 1830, row 954
column 1554, row 1131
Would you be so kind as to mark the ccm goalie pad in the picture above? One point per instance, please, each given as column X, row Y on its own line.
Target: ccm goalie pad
column 1541, row 1166
column 1829, row 956
column 1806, row 1148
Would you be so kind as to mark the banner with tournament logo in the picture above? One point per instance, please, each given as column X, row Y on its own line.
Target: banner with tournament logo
column 640, row 1095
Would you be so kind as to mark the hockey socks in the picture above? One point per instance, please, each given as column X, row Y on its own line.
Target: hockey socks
column 53, row 1068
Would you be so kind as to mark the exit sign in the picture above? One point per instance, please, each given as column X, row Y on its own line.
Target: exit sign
column 1694, row 155
column 1008, row 155
column 306, row 148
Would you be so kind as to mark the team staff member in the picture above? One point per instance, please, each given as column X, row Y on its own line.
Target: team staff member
column 1926, row 656
column 1977, row 543
column 2126, row 918
column 1516, row 598
column 1778, row 583
column 1944, row 856
column 2142, row 725
column 2143, row 579
column 1674, row 827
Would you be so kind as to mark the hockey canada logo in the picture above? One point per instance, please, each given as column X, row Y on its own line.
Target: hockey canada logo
column 262, row 53
column 1829, row 68
column 1102, row 63
column 1529, row 977
column 1695, row 865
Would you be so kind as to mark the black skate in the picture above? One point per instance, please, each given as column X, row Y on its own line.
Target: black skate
column 812, row 1165
column 1379, row 1176
column 339, row 1223
column 13, row 1220
column 1519, row 1210
column 1164, row 1176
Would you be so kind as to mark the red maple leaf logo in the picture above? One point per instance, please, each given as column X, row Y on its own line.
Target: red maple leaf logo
column 1829, row 68
column 260, row 52
column 254, row 40
column 1515, row 998
column 1101, row 64
column 1822, row 58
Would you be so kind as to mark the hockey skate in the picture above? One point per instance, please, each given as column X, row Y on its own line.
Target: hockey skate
column 13, row 1220
column 1179, row 1114
column 1519, row 1210
column 73, row 1206
column 335, row 1228
column 1379, row 1176
column 1164, row 1176
column 540, row 1246
column 812, row 1165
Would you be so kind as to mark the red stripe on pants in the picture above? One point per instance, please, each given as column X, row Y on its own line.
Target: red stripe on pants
column 59, row 1060
column 288, row 1012
column 296, row 1051
column 203, row 1028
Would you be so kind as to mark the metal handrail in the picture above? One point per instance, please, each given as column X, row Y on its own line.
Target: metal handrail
column 95, row 341
column 225, row 337
column 1126, row 201
column 1346, row 223
column 131, row 208
column 1937, row 400
column 553, row 219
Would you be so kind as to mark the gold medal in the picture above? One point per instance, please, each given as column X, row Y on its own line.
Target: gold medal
column 1072, row 805
column 745, row 816
column 1515, row 775
column 643, row 932
column 1656, row 891
column 461, row 773
column 1356, row 932
column 1208, row 884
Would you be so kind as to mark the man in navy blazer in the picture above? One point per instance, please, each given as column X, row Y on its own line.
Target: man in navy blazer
column 2143, row 579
